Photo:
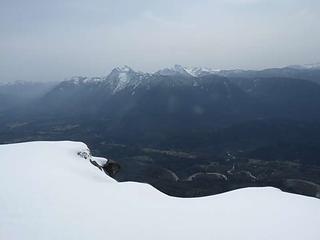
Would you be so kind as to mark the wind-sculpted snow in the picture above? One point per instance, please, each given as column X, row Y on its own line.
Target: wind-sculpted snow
column 50, row 191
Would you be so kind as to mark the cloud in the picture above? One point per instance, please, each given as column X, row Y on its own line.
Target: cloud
column 51, row 40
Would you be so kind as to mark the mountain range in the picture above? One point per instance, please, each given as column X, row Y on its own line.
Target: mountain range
column 183, row 129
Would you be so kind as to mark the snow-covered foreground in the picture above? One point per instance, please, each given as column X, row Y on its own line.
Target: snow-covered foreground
column 48, row 191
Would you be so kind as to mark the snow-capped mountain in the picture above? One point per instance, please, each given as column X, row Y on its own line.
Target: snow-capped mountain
column 124, row 77
column 200, row 71
column 50, row 190
column 118, row 79
column 312, row 66
column 211, row 99
column 214, row 98
column 187, row 71
column 176, row 70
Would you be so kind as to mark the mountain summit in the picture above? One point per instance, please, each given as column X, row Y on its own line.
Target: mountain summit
column 124, row 77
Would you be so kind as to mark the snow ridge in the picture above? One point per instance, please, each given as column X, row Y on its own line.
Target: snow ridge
column 49, row 191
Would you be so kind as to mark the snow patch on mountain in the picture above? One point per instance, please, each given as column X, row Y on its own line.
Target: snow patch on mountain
column 199, row 71
column 78, row 80
column 124, row 77
column 186, row 71
column 312, row 66
column 124, row 80
column 174, row 71
column 124, row 68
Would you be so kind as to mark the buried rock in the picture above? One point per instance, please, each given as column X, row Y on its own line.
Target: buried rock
column 110, row 167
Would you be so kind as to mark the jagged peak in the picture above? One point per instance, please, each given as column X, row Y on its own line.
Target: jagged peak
column 172, row 71
column 186, row 71
column 124, row 68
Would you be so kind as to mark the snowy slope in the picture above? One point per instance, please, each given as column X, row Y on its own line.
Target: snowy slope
column 119, row 78
column 124, row 77
column 312, row 66
column 49, row 191
column 176, row 70
column 186, row 71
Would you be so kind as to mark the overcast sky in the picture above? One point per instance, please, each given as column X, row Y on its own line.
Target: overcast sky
column 53, row 40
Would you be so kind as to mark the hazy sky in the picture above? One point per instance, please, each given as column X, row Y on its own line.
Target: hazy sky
column 53, row 40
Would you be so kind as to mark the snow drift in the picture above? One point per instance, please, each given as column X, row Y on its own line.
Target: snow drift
column 49, row 191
